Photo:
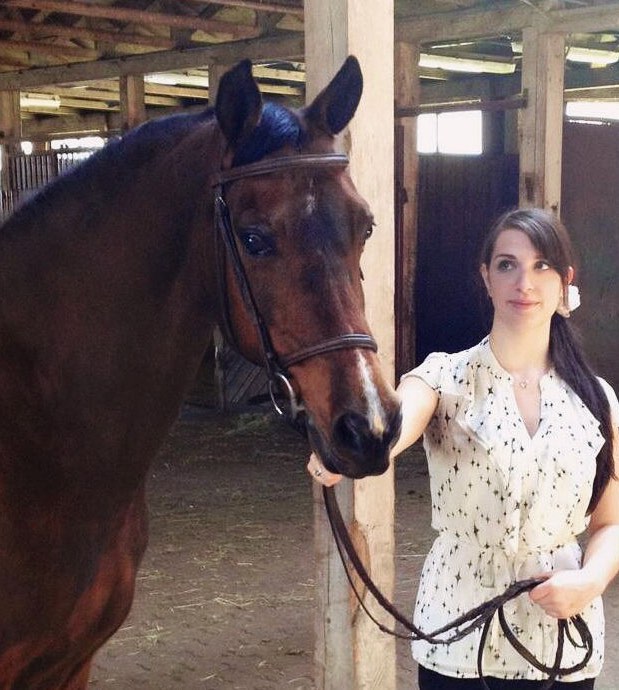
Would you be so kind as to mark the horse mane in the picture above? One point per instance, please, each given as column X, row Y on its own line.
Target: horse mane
column 96, row 178
column 106, row 169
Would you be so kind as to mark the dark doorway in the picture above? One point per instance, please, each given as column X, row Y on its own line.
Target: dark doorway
column 459, row 197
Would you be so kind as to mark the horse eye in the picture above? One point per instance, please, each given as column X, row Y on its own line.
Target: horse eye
column 256, row 244
column 369, row 230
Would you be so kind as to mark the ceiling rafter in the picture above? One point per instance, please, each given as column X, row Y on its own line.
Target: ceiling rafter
column 52, row 46
column 212, row 26
column 50, row 29
column 51, row 49
column 282, row 46
column 258, row 6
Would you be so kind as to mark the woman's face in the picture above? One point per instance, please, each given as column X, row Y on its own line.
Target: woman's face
column 523, row 287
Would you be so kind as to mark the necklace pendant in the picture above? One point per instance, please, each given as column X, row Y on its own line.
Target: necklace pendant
column 523, row 384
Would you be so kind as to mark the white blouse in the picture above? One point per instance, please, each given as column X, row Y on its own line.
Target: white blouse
column 507, row 506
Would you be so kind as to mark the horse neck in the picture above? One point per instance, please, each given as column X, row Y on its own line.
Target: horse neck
column 103, row 322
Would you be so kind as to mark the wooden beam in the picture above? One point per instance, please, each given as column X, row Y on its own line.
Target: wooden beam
column 259, row 6
column 283, row 74
column 43, row 129
column 85, row 99
column 109, row 90
column 286, row 45
column 132, row 110
column 53, row 49
column 541, row 122
column 351, row 652
column 10, row 121
column 137, row 16
column 485, row 105
column 584, row 19
column 50, row 29
column 593, row 93
column 441, row 26
column 503, row 19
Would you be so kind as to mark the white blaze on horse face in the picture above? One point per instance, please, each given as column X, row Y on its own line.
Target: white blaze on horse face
column 375, row 411
column 310, row 199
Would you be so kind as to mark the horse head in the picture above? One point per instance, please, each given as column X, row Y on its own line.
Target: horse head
column 298, row 227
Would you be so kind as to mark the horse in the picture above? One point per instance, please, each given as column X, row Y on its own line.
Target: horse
column 112, row 279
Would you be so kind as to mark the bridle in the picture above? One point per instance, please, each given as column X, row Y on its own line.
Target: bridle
column 227, row 250
column 276, row 366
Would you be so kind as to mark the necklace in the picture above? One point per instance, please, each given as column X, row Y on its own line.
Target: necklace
column 523, row 383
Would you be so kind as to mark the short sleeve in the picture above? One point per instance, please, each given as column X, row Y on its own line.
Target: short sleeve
column 612, row 401
column 431, row 370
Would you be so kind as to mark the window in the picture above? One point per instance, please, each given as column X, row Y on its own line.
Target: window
column 450, row 133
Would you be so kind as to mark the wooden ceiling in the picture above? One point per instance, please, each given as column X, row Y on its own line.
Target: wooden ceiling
column 65, row 58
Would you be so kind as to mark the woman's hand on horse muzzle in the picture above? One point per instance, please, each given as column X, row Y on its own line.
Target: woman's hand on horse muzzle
column 320, row 473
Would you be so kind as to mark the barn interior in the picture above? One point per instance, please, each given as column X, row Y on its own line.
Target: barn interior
column 70, row 70
column 75, row 73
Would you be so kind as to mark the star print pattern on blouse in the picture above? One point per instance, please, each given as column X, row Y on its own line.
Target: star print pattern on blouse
column 506, row 506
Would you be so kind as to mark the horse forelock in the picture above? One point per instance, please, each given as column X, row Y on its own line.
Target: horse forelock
column 278, row 127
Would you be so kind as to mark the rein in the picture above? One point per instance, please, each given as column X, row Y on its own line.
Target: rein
column 479, row 617
column 276, row 367
column 227, row 250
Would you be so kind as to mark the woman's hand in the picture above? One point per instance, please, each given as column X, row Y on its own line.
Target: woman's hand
column 320, row 473
column 565, row 593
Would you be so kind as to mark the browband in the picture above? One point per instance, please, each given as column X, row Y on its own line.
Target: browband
column 273, row 165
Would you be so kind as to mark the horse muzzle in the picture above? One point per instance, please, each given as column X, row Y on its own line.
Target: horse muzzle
column 356, row 449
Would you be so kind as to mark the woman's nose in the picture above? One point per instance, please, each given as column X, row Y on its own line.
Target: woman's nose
column 524, row 282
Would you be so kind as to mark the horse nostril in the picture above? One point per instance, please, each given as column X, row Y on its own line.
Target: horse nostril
column 350, row 430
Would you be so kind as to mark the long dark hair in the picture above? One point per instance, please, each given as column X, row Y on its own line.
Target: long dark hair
column 549, row 236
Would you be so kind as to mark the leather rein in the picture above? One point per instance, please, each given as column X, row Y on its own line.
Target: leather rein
column 227, row 250
column 479, row 617
column 276, row 367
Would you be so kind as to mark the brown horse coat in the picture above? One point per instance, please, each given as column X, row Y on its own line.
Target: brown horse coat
column 108, row 295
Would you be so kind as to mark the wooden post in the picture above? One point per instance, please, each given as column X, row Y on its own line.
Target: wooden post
column 132, row 108
column 351, row 653
column 407, row 95
column 216, row 71
column 10, row 120
column 541, row 122
column 10, row 136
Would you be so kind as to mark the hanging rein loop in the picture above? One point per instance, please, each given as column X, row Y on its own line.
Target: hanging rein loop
column 479, row 617
column 227, row 250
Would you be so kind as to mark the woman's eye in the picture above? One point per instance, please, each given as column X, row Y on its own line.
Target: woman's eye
column 505, row 265
column 543, row 265
column 257, row 244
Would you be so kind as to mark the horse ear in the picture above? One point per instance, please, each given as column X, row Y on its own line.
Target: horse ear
column 336, row 104
column 239, row 104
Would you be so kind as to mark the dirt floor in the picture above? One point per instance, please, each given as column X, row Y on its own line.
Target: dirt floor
column 225, row 594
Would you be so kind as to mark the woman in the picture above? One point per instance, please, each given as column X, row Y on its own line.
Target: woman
column 522, row 445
